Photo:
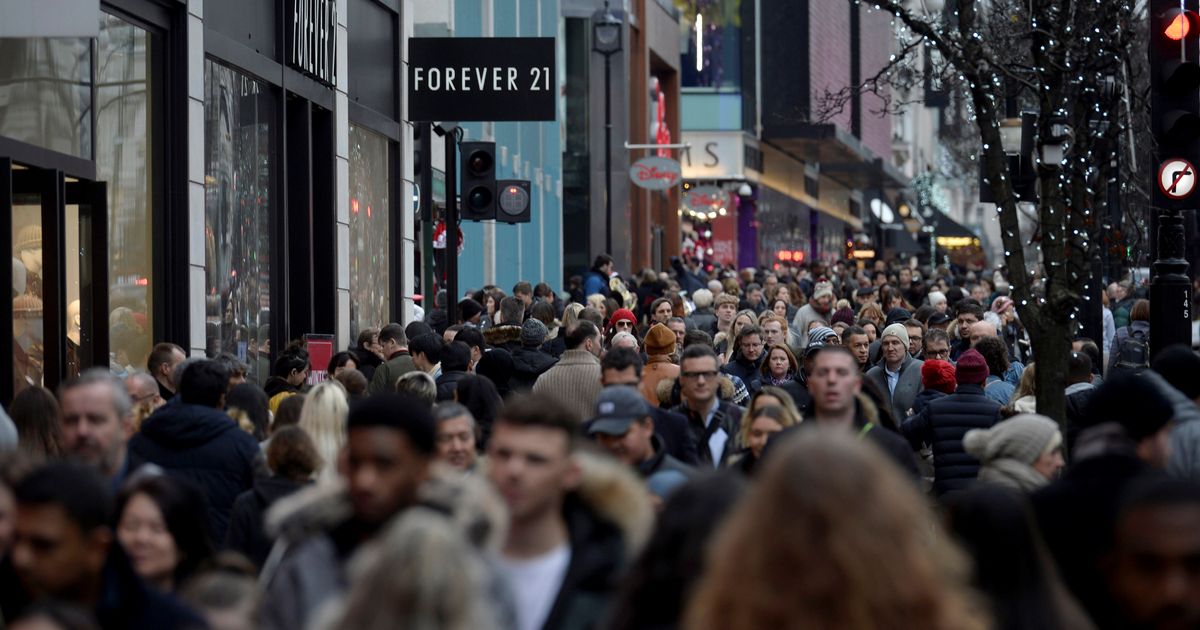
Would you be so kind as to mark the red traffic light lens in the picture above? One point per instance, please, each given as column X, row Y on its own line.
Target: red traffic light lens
column 479, row 163
column 1178, row 25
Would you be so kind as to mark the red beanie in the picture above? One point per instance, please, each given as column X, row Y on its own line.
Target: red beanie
column 622, row 313
column 939, row 375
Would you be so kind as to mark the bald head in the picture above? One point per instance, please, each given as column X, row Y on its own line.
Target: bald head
column 982, row 329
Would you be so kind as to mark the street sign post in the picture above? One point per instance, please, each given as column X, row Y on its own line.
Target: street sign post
column 482, row 79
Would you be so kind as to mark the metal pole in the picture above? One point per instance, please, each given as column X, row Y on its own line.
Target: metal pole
column 425, row 199
column 607, row 154
column 1170, row 289
column 451, row 251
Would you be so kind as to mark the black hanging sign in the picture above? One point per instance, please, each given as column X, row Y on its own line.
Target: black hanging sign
column 464, row 79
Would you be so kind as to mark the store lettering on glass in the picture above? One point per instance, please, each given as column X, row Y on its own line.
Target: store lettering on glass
column 314, row 39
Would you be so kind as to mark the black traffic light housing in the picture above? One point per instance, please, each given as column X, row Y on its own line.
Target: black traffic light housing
column 513, row 200
column 1175, row 88
column 478, row 180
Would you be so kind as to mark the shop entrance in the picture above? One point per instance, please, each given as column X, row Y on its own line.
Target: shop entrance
column 53, row 225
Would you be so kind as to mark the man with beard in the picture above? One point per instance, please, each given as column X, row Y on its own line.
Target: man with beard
column 97, row 422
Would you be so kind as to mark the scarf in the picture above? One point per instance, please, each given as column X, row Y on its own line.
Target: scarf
column 779, row 382
column 1011, row 473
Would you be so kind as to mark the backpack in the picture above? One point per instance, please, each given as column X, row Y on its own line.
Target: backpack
column 1133, row 355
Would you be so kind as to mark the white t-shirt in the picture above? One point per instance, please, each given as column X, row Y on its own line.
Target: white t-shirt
column 535, row 584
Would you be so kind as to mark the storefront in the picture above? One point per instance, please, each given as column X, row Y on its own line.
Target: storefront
column 196, row 173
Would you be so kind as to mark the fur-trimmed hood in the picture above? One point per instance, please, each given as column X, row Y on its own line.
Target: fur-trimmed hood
column 467, row 499
column 501, row 336
column 615, row 494
column 668, row 390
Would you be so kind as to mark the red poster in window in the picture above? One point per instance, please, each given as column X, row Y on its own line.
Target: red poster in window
column 320, row 351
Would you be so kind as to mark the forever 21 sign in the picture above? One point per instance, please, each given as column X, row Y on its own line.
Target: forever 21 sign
column 481, row 78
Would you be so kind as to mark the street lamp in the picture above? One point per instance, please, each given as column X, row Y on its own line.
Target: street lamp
column 606, row 40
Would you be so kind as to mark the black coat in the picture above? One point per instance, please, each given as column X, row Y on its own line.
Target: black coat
column 672, row 429
column 1077, row 514
column 703, row 319
column 598, row 553
column 528, row 365
column 556, row 346
column 247, row 532
column 447, row 383
column 203, row 446
column 728, row 417
column 922, row 399
column 942, row 425
column 366, row 361
column 798, row 392
column 748, row 371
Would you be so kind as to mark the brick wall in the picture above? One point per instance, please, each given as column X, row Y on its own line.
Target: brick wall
column 829, row 52
column 877, row 47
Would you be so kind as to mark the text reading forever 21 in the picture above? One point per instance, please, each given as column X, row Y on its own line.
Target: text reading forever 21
column 464, row 79
column 480, row 79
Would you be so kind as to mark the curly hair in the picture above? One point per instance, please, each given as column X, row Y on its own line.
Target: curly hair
column 856, row 576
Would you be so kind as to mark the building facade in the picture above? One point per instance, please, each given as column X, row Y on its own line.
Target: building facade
column 225, row 175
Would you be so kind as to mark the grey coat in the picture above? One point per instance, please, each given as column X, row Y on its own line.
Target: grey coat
column 907, row 387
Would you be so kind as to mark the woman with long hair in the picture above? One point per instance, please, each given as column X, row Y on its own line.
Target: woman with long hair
column 874, row 314
column 1024, row 397
column 162, row 527
column 725, row 345
column 323, row 418
column 875, row 557
column 780, row 370
column 35, row 412
column 757, row 429
column 1138, row 329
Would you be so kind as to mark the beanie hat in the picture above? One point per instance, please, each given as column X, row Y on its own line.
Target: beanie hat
column 844, row 315
column 621, row 314
column 972, row 369
column 898, row 315
column 660, row 340
column 818, row 335
column 1024, row 438
column 822, row 289
column 1134, row 402
column 936, row 297
column 533, row 333
column 898, row 331
column 1179, row 365
column 938, row 375
column 469, row 308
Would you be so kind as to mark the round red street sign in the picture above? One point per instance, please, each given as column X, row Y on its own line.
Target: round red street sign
column 1176, row 178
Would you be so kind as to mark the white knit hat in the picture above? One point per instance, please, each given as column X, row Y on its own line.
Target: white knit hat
column 822, row 289
column 896, row 330
column 1024, row 438
column 936, row 297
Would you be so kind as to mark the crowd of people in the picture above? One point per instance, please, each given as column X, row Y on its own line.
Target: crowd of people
column 822, row 446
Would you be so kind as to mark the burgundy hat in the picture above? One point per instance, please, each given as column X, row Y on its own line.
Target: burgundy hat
column 972, row 369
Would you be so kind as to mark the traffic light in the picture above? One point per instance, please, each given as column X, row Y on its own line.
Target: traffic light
column 513, row 200
column 478, row 178
column 1175, row 99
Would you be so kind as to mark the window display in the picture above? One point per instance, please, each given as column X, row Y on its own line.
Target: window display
column 29, row 352
column 369, row 229
column 239, row 121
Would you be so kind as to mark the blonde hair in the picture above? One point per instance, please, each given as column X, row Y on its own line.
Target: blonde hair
column 571, row 315
column 788, row 414
column 323, row 418
column 598, row 302
column 421, row 574
column 855, row 578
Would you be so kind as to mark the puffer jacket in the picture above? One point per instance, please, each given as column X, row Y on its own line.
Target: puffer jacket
column 202, row 446
column 942, row 425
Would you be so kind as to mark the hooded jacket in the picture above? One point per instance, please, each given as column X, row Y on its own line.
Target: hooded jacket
column 447, row 384
column 202, row 446
column 366, row 361
column 503, row 336
column 942, row 425
column 528, row 365
column 608, row 519
column 316, row 540
column 247, row 526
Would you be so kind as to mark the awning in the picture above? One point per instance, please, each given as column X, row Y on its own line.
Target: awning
column 945, row 226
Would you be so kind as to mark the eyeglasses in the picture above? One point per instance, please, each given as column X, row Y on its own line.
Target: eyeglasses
column 624, row 323
column 699, row 375
column 915, row 337
column 935, row 354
